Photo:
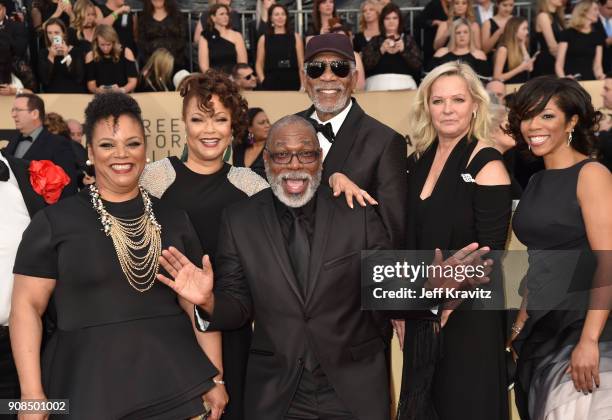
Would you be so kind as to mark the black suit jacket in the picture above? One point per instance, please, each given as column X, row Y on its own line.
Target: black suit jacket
column 254, row 278
column 20, row 168
column 373, row 156
column 54, row 148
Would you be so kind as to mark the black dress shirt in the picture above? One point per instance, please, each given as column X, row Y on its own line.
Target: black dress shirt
column 285, row 218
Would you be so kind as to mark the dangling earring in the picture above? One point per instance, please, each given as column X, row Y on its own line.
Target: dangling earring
column 88, row 162
column 251, row 138
column 529, row 146
column 570, row 137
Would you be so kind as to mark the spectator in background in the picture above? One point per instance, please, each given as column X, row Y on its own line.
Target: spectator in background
column 55, row 124
column 244, row 76
column 368, row 25
column 13, row 32
column 156, row 75
column 361, row 83
column 10, row 84
column 118, row 14
column 498, row 89
column 512, row 61
column 485, row 9
column 604, row 26
column 161, row 26
column 248, row 152
column 234, row 19
column 61, row 66
column 82, row 27
column 220, row 47
column 110, row 67
column 322, row 12
column 280, row 53
column 458, row 9
column 434, row 13
column 76, row 130
column 493, row 28
column 259, row 25
column 550, row 22
column 462, row 47
column 392, row 60
column 581, row 47
column 43, row 10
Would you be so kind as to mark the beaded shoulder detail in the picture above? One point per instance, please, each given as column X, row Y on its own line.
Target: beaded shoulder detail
column 157, row 177
column 246, row 180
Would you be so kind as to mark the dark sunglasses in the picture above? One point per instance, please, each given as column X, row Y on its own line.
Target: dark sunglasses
column 304, row 157
column 315, row 69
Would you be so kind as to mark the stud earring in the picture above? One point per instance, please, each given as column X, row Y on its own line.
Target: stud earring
column 570, row 137
column 148, row 160
column 88, row 162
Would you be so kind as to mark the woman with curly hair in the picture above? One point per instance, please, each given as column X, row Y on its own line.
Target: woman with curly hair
column 214, row 114
column 562, row 334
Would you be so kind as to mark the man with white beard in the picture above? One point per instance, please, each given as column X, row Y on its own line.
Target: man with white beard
column 289, row 258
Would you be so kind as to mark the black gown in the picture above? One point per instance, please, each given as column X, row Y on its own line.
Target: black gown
column 549, row 218
column 436, row 366
column 204, row 197
column 481, row 67
column 116, row 352
column 581, row 52
column 545, row 62
column 281, row 68
column 222, row 53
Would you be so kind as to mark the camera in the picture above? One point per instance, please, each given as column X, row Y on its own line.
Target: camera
column 57, row 40
column 284, row 64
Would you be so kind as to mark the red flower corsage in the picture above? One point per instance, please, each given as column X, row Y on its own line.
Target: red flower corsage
column 48, row 180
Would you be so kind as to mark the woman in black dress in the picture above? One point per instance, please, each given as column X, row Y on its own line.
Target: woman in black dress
column 124, row 346
column 220, row 47
column 493, row 28
column 563, row 338
column 203, row 186
column 161, row 25
column 61, row 67
column 109, row 66
column 248, row 152
column 43, row 10
column 580, row 46
column 259, row 25
column 280, row 53
column 462, row 47
column 368, row 24
column 512, row 61
column 434, row 13
column 549, row 24
column 455, row 167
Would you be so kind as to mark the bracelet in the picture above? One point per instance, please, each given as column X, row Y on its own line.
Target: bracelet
column 219, row 381
column 115, row 15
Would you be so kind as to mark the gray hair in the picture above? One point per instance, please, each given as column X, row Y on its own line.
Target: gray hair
column 291, row 120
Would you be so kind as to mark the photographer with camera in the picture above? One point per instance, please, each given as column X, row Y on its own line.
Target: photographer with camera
column 61, row 67
column 279, row 53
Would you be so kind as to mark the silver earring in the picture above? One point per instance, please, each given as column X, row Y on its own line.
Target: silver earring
column 88, row 162
column 529, row 146
column 570, row 137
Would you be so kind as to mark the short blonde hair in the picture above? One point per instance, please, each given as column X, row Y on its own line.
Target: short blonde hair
column 578, row 18
column 422, row 131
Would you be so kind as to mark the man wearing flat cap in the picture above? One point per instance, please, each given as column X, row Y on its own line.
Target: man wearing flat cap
column 369, row 153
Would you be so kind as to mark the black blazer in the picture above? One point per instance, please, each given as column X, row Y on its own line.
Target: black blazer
column 54, row 148
column 32, row 200
column 373, row 156
column 254, row 278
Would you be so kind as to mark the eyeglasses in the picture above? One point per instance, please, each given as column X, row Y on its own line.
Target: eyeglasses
column 285, row 158
column 19, row 110
column 315, row 69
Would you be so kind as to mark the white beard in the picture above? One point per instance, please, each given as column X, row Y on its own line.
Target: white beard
column 294, row 200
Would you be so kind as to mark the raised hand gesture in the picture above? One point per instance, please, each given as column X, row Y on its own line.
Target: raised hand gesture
column 192, row 283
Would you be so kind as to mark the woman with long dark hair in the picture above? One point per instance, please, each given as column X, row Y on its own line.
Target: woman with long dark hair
column 280, row 53
column 512, row 61
column 161, row 25
column 248, row 151
column 323, row 12
column 220, row 47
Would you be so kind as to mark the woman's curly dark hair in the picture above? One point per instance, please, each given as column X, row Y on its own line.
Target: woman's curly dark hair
column 110, row 105
column 203, row 86
column 569, row 96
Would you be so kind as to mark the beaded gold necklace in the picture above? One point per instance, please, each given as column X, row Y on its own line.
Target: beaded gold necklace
column 130, row 237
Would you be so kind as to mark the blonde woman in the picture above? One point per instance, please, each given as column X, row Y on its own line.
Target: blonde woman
column 83, row 25
column 462, row 47
column 512, row 61
column 156, row 75
column 110, row 67
column 455, row 166
column 368, row 24
column 580, row 53
column 458, row 9
column 550, row 22
column 493, row 28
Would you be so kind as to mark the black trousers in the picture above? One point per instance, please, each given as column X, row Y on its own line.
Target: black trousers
column 315, row 399
column 9, row 382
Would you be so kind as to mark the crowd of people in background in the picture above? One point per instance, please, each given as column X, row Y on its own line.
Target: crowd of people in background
column 84, row 46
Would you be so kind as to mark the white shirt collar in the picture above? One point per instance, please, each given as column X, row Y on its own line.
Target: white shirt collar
column 336, row 122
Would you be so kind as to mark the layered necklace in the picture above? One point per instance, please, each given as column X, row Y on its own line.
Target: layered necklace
column 137, row 241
